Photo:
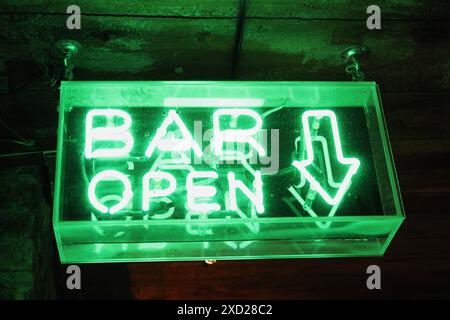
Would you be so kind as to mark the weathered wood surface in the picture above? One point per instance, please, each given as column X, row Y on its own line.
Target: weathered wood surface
column 123, row 47
column 269, row 9
column 309, row 50
column 164, row 8
column 127, row 48
column 348, row 9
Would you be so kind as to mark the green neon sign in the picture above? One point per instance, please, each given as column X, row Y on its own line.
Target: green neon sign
column 161, row 171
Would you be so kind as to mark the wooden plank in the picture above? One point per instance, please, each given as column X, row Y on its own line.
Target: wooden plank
column 271, row 279
column 266, row 9
column 348, row 9
column 310, row 50
column 128, row 48
column 29, row 5
column 426, row 206
column 417, row 115
column 176, row 8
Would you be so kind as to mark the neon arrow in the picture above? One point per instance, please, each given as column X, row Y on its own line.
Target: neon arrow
column 303, row 165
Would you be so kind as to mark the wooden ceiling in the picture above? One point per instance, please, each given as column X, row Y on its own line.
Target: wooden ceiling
column 283, row 40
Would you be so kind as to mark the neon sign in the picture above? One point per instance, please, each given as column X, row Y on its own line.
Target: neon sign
column 155, row 171
column 303, row 165
column 111, row 133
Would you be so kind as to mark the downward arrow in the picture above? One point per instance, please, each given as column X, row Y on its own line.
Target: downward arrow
column 302, row 166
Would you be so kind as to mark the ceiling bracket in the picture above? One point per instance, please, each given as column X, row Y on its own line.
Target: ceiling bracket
column 62, row 53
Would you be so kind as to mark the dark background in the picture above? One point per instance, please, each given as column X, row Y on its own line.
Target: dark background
column 204, row 40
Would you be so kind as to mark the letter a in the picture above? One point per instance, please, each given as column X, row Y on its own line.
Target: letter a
column 374, row 20
column 74, row 20
column 170, row 144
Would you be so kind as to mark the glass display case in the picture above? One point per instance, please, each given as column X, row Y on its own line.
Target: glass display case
column 169, row 170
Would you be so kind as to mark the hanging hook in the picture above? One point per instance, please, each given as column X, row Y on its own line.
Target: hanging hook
column 351, row 55
column 62, row 52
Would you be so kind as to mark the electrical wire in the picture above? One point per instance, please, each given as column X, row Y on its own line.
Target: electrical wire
column 20, row 140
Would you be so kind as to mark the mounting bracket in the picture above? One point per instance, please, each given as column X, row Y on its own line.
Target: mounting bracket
column 61, row 54
column 351, row 57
